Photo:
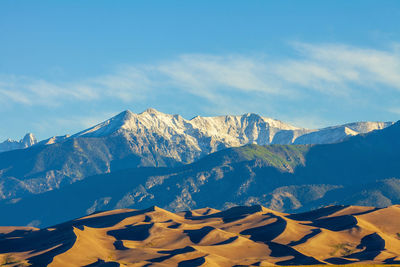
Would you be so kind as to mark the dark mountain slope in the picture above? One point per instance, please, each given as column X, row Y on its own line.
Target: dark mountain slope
column 43, row 168
column 140, row 186
column 360, row 158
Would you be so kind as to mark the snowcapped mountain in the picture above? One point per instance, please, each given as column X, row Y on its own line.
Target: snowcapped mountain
column 338, row 133
column 211, row 133
column 53, row 140
column 173, row 135
column 28, row 140
column 186, row 140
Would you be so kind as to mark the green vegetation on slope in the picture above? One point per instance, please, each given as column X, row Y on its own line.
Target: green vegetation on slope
column 284, row 157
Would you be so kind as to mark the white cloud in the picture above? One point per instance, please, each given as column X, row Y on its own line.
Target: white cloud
column 346, row 65
column 207, row 74
column 330, row 69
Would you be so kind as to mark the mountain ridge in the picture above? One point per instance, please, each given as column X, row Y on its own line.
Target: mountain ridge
column 27, row 141
column 240, row 130
column 151, row 118
column 148, row 139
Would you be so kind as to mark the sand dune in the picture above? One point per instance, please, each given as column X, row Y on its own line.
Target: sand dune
column 250, row 236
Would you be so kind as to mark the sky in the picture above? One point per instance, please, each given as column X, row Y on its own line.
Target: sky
column 67, row 65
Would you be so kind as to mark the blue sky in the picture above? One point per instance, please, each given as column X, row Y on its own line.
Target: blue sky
column 66, row 65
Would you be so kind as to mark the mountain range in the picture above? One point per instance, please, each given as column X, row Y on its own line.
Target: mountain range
column 151, row 139
column 206, row 134
column 117, row 164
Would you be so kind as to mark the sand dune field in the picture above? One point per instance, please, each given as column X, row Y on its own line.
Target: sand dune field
column 249, row 236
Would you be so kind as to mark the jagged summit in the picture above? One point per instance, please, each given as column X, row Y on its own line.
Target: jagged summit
column 173, row 135
column 182, row 140
column 229, row 128
column 27, row 141
column 152, row 111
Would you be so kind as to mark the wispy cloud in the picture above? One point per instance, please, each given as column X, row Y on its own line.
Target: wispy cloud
column 207, row 75
column 329, row 69
column 326, row 67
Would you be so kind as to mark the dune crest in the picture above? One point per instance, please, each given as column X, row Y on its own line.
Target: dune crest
column 247, row 235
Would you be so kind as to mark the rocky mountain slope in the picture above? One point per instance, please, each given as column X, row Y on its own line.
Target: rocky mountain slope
column 240, row 236
column 362, row 170
column 150, row 138
column 28, row 141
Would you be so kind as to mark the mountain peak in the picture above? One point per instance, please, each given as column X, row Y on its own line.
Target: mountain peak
column 252, row 116
column 123, row 116
column 107, row 127
column 29, row 140
column 151, row 111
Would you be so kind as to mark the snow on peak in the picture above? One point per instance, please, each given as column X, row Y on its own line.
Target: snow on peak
column 153, row 128
column 107, row 127
column 28, row 141
column 229, row 130
column 54, row 139
column 152, row 111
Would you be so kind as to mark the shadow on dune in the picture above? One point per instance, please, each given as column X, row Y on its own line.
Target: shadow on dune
column 304, row 239
column 174, row 226
column 315, row 214
column 338, row 223
column 132, row 232
column 62, row 238
column 230, row 215
column 228, row 241
column 372, row 244
column 193, row 262
column 392, row 261
column 207, row 211
column 119, row 245
column 339, row 261
column 279, row 250
column 101, row 263
column 171, row 253
column 266, row 232
column 16, row 233
column 197, row 235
